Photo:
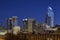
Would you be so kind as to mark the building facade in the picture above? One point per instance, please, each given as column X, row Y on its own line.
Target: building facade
column 9, row 24
column 12, row 25
column 50, row 17
column 14, row 21
column 28, row 25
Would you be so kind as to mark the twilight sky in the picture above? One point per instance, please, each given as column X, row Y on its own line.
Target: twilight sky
column 36, row 9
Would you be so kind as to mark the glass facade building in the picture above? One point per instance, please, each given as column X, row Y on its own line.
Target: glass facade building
column 50, row 17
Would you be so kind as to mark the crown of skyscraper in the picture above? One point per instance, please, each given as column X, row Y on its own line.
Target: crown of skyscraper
column 25, row 19
column 14, row 17
column 49, row 8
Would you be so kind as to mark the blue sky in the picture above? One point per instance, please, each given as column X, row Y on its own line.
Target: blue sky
column 36, row 9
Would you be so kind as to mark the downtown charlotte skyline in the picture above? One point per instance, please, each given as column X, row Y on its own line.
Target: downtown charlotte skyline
column 36, row 9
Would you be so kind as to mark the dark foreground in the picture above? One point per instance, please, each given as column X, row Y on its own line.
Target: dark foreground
column 31, row 36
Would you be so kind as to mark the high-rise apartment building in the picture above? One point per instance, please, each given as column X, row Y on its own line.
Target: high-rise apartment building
column 50, row 17
column 28, row 25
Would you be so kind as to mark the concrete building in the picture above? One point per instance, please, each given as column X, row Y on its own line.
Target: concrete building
column 0, row 25
column 42, row 26
column 28, row 25
column 14, row 21
column 12, row 25
column 9, row 25
column 16, row 27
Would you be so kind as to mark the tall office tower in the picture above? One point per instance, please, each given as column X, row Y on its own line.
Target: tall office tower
column 9, row 25
column 50, row 17
column 28, row 25
column 0, row 24
column 16, row 28
column 25, row 25
column 14, row 21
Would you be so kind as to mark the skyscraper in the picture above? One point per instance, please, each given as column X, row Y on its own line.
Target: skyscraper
column 50, row 17
column 28, row 25
column 9, row 25
column 14, row 21
column 12, row 26
column 11, row 22
column 0, row 25
column 16, row 28
column 25, row 25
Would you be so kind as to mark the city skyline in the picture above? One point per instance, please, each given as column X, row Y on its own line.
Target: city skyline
column 29, row 20
column 28, row 9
